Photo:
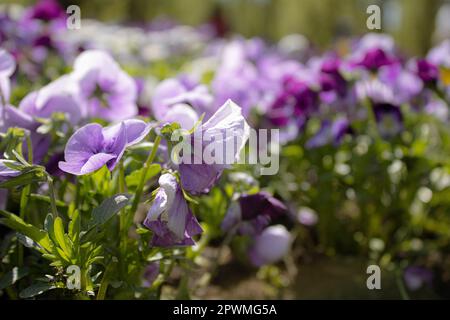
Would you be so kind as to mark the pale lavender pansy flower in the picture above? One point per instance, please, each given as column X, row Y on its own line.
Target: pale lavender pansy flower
column 440, row 55
column 171, row 93
column 107, row 91
column 92, row 146
column 7, row 67
column 270, row 246
column 307, row 217
column 59, row 96
column 170, row 217
column 225, row 126
column 236, row 79
column 415, row 277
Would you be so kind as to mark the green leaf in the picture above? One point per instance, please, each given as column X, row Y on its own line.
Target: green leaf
column 133, row 179
column 13, row 276
column 16, row 223
column 109, row 208
column 75, row 227
column 60, row 236
column 29, row 175
column 36, row 289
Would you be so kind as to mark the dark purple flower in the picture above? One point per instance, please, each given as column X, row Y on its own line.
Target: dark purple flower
column 415, row 277
column 270, row 246
column 389, row 119
column 170, row 217
column 106, row 90
column 375, row 59
column 92, row 146
column 427, row 71
column 253, row 213
column 198, row 174
column 295, row 101
column 47, row 10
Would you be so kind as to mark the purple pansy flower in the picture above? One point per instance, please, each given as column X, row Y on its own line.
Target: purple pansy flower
column 197, row 174
column 389, row 119
column 236, row 79
column 60, row 96
column 427, row 71
column 106, row 90
column 415, row 277
column 47, row 10
column 373, row 51
column 253, row 213
column 173, row 93
column 270, row 246
column 307, row 217
column 92, row 146
column 7, row 67
column 170, row 217
column 440, row 55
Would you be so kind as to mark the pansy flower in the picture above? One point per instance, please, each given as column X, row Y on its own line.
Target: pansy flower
column 270, row 246
column 170, row 217
column 226, row 132
column 92, row 146
column 107, row 91
column 252, row 213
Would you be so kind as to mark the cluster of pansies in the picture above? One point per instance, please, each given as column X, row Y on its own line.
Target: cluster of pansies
column 88, row 178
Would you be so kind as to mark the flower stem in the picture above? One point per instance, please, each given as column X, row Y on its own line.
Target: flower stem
column 147, row 164
column 52, row 196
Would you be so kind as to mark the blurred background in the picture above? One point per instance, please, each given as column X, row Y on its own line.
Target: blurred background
column 415, row 24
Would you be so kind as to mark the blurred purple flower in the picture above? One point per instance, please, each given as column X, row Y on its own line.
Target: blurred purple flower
column 389, row 119
column 415, row 277
column 253, row 213
column 236, row 78
column 173, row 92
column 47, row 10
column 330, row 132
column 60, row 96
column 170, row 217
column 307, row 217
column 227, row 123
column 108, row 92
column 92, row 146
column 427, row 71
column 270, row 246
column 7, row 67
column 440, row 55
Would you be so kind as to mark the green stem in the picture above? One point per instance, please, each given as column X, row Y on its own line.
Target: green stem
column 147, row 164
column 105, row 280
column 52, row 196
